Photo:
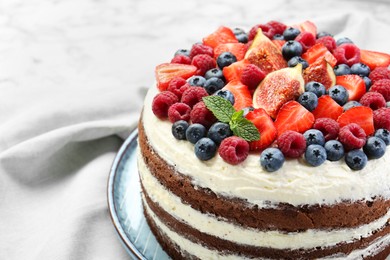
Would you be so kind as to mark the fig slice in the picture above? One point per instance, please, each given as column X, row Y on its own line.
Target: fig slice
column 277, row 88
column 265, row 54
column 320, row 71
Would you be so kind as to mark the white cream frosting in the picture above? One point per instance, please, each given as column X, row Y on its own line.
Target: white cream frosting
column 296, row 182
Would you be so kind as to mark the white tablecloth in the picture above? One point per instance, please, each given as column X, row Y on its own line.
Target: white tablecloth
column 72, row 80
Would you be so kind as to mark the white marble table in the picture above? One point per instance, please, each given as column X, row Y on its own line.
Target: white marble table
column 72, row 78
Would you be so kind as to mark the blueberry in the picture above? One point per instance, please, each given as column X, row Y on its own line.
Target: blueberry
column 215, row 72
column 343, row 40
column 360, row 69
column 314, row 136
column 219, row 131
column 315, row 87
column 351, row 104
column 341, row 69
column 323, row 34
column 247, row 110
column 374, row 148
column 278, row 37
column 184, row 52
column 291, row 49
column 225, row 59
column 241, row 35
column 368, row 83
column 339, row 94
column 309, row 100
column 226, row 94
column 383, row 134
column 195, row 132
column 291, row 33
column 196, row 81
column 237, row 31
column 213, row 84
column 271, row 159
column 334, row 150
column 205, row 149
column 179, row 129
column 356, row 159
column 297, row 59
column 315, row 154
column 388, row 104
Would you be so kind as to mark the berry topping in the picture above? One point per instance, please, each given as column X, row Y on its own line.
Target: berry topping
column 368, row 83
column 306, row 39
column 339, row 94
column 323, row 34
column 193, row 95
column 292, row 144
column 307, row 26
column 179, row 129
column 382, row 118
column 237, row 49
column 219, row 131
column 225, row 94
column 167, row 71
column 161, row 103
column 347, row 53
column 214, row 73
column 343, row 40
column 225, row 59
column 361, row 115
column 356, row 159
column 196, row 81
column 177, row 86
column 241, row 35
column 205, row 149
column 233, row 72
column 360, row 69
column 314, row 136
column 271, row 159
column 291, row 49
column 241, row 93
column 291, row 33
column 315, row 87
column 382, row 86
column 329, row 127
column 181, row 59
column 319, row 52
column 354, row 84
column 315, row 155
column 352, row 136
column 309, row 100
column 195, row 132
column 334, row 150
column 374, row 148
column 221, row 35
column 277, row 26
column 374, row 100
column 383, row 134
column 201, row 49
column 213, row 84
column 179, row 111
column 341, row 69
column 234, row 150
column 184, row 52
column 374, row 59
column 351, row 104
column 328, row 108
column 203, row 63
column 294, row 61
column 202, row 115
column 252, row 76
column 267, row 30
column 328, row 41
column 265, row 126
column 379, row 73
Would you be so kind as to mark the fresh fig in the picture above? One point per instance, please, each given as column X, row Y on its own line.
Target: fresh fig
column 320, row 71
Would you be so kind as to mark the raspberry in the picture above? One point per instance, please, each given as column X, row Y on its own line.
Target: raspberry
column 379, row 73
column 179, row 111
column 328, row 126
column 374, row 100
column 233, row 150
column 347, row 53
column 251, row 76
column 382, row 118
column 328, row 41
column 382, row 86
column 352, row 136
column 202, row 115
column 181, row 59
column 201, row 49
column 292, row 144
column 278, row 27
column 193, row 95
column 177, row 86
column 204, row 63
column 162, row 102
column 306, row 39
column 266, row 28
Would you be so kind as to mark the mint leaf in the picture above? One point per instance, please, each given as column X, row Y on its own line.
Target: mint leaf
column 220, row 107
column 237, row 115
column 244, row 129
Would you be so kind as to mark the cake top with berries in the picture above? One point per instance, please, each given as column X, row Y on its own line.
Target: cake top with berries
column 277, row 100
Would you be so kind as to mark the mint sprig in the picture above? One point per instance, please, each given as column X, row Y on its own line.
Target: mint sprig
column 225, row 112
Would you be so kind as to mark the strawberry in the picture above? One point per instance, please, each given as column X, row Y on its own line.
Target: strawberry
column 361, row 115
column 293, row 116
column 221, row 35
column 241, row 93
column 354, row 84
column 238, row 49
column 165, row 72
column 374, row 59
column 319, row 51
column 307, row 26
column 266, row 127
column 327, row 108
column 234, row 70
column 279, row 43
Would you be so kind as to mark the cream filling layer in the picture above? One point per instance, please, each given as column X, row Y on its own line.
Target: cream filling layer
column 208, row 224
column 296, row 182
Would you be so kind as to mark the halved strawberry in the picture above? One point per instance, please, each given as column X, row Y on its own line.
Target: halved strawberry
column 241, row 93
column 328, row 108
column 293, row 116
column 165, row 72
column 238, row 49
column 234, row 70
column 221, row 35
column 319, row 51
column 354, row 84
column 266, row 127
column 374, row 59
column 361, row 115
column 307, row 26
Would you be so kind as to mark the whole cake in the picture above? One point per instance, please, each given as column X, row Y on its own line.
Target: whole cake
column 269, row 144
